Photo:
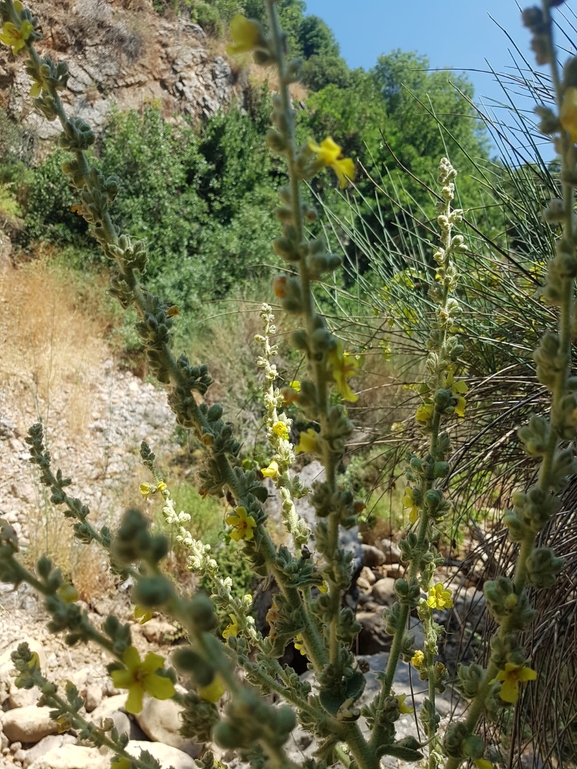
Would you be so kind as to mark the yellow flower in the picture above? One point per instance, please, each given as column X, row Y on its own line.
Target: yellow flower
column 231, row 629
column 280, row 429
column 271, row 471
column 328, row 153
column 308, row 443
column 403, row 709
column 511, row 677
column 296, row 385
column 121, row 763
column 142, row 614
column 299, row 644
column 439, row 598
column 568, row 113
column 35, row 89
column 482, row 763
column 242, row 524
column 214, row 690
column 140, row 677
column 15, row 37
column 343, row 366
column 409, row 504
column 67, row 593
column 418, row 658
column 424, row 412
column 458, row 389
column 152, row 488
column 245, row 35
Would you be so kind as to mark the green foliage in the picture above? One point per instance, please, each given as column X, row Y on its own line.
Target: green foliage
column 48, row 205
column 232, row 562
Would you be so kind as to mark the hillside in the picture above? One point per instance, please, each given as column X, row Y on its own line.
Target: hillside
column 121, row 56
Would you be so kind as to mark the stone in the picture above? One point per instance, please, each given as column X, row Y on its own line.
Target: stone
column 112, row 709
column 72, row 757
column 166, row 755
column 383, row 591
column 28, row 724
column 160, row 721
column 363, row 585
column 368, row 575
column 45, row 746
column 372, row 639
column 373, row 556
column 93, row 697
column 391, row 551
column 156, row 630
column 20, row 698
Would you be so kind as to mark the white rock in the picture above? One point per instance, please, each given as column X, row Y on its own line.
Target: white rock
column 383, row 591
column 93, row 697
column 368, row 575
column 45, row 746
column 161, row 722
column 28, row 724
column 72, row 757
column 166, row 755
column 20, row 698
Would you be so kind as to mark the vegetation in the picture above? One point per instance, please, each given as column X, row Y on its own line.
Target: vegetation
column 208, row 223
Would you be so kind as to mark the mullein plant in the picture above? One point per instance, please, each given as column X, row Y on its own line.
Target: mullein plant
column 442, row 400
column 308, row 608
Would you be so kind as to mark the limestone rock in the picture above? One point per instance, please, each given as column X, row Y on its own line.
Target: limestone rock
column 166, row 755
column 72, row 757
column 372, row 639
column 373, row 556
column 45, row 745
column 383, row 591
column 161, row 722
column 28, row 724
column 391, row 551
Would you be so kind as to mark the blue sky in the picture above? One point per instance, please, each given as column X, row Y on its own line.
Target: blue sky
column 459, row 34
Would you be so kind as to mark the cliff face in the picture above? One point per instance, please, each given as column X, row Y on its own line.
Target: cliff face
column 121, row 56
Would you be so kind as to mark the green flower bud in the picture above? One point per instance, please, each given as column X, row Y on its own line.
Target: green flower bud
column 543, row 567
column 535, row 436
column 473, row 746
column 227, row 736
column 469, row 680
column 152, row 591
column 201, row 611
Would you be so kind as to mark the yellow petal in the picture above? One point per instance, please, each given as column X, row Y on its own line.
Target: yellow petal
column 527, row 674
column 134, row 701
column 131, row 658
column 214, row 691
column 122, row 679
column 509, row 690
column 568, row 113
column 159, row 687
column 152, row 662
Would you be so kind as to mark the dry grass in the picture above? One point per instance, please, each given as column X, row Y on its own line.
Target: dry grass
column 48, row 348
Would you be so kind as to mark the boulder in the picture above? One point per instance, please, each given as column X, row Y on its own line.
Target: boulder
column 45, row 745
column 372, row 639
column 72, row 757
column 391, row 551
column 28, row 724
column 160, row 721
column 383, row 591
column 373, row 556
column 166, row 755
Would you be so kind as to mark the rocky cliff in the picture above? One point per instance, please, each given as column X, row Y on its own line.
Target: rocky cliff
column 121, row 55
